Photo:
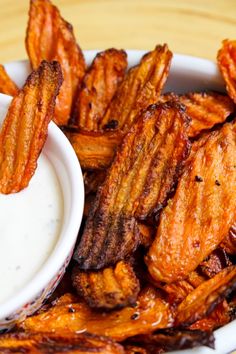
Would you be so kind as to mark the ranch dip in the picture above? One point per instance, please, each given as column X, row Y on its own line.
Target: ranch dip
column 30, row 224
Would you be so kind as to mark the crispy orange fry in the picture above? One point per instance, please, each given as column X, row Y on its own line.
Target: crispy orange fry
column 95, row 150
column 226, row 59
column 196, row 279
column 151, row 312
column 24, row 130
column 107, row 288
column 220, row 316
column 98, row 88
column 205, row 109
column 57, row 343
column 205, row 297
column 138, row 184
column 50, row 37
column 213, row 264
column 202, row 210
column 7, row 86
column 141, row 87
column 177, row 292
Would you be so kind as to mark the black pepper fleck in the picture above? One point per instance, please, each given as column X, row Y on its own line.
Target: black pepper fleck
column 112, row 124
column 71, row 310
column 198, row 179
column 217, row 182
column 134, row 316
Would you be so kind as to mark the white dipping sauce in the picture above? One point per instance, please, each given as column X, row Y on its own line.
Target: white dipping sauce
column 30, row 224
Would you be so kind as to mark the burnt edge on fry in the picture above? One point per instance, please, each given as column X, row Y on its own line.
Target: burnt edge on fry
column 108, row 288
column 57, row 343
column 174, row 339
column 93, row 179
column 27, row 127
column 229, row 242
column 98, row 88
column 215, row 263
column 152, row 154
column 206, row 109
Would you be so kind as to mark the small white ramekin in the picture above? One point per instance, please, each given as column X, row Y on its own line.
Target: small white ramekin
column 62, row 156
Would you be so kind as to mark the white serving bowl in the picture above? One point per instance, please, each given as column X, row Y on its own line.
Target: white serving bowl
column 187, row 74
column 61, row 155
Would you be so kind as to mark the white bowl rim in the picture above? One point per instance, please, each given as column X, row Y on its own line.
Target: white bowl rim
column 180, row 60
column 60, row 252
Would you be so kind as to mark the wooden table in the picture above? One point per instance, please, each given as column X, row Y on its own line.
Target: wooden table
column 193, row 27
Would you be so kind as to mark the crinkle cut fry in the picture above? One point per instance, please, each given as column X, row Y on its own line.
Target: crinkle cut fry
column 98, row 88
column 226, row 59
column 25, row 127
column 204, row 298
column 50, row 37
column 95, row 150
column 151, row 313
column 138, row 184
column 202, row 210
column 205, row 109
column 57, row 343
column 141, row 87
column 108, row 288
column 7, row 86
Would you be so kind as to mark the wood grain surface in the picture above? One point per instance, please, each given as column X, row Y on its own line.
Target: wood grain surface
column 193, row 27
